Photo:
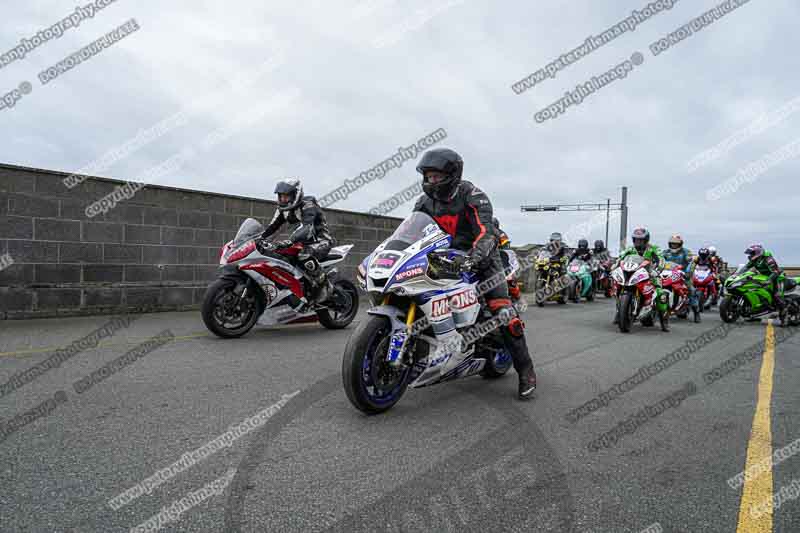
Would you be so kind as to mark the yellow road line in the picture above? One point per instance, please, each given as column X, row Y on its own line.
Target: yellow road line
column 47, row 349
column 755, row 509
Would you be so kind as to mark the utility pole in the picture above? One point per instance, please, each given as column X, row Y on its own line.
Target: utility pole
column 623, row 224
column 608, row 217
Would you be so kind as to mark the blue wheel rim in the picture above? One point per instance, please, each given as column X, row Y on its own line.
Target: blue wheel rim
column 375, row 394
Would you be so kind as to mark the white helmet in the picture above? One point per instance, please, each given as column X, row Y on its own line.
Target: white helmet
column 712, row 250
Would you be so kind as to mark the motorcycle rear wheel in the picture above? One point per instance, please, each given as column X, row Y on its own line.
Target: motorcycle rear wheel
column 341, row 318
column 793, row 311
column 497, row 364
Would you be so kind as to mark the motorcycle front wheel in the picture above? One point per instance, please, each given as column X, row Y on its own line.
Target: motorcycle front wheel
column 625, row 312
column 227, row 315
column 729, row 309
column 539, row 294
column 370, row 383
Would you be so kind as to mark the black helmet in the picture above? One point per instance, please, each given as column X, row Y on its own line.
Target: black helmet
column 447, row 162
column 496, row 223
column 703, row 253
column 643, row 237
column 599, row 245
column 555, row 242
column 583, row 244
column 293, row 188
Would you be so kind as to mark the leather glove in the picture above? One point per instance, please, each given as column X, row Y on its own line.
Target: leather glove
column 263, row 245
column 286, row 243
column 464, row 263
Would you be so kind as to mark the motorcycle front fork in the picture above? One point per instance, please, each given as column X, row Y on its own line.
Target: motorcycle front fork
column 398, row 343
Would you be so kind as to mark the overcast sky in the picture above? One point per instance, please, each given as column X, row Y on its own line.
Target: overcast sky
column 336, row 87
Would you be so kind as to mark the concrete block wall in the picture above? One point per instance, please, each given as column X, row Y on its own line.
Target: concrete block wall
column 156, row 251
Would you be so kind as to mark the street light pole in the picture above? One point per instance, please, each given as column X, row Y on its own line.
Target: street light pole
column 587, row 206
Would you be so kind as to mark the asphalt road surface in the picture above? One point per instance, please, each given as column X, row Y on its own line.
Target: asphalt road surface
column 464, row 456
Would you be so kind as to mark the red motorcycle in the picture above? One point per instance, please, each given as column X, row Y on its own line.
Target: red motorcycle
column 673, row 280
column 259, row 283
column 604, row 282
column 705, row 282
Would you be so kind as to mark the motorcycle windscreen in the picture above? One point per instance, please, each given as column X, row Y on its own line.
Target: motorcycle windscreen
column 416, row 227
column 250, row 229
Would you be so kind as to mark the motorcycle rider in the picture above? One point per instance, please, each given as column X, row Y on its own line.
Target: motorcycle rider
column 764, row 263
column 676, row 253
column 582, row 252
column 465, row 212
column 704, row 259
column 641, row 246
column 504, row 243
column 602, row 257
column 313, row 233
column 558, row 252
column 600, row 251
column 716, row 261
column 556, row 247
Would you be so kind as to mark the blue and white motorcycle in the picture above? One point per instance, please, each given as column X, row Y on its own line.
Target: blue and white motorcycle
column 428, row 324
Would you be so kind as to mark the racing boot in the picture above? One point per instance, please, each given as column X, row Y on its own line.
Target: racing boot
column 664, row 319
column 514, row 336
column 321, row 288
column 527, row 383
column 696, row 311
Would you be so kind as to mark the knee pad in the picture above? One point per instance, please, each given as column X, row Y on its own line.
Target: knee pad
column 514, row 291
column 310, row 265
column 516, row 327
column 498, row 304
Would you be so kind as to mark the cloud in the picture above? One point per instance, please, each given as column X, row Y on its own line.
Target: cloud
column 453, row 69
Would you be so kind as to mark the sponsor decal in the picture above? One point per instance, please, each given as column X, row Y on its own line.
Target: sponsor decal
column 463, row 299
column 441, row 307
column 410, row 273
column 443, row 242
column 385, row 260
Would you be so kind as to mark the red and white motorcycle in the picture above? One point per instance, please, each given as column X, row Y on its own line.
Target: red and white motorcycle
column 259, row 284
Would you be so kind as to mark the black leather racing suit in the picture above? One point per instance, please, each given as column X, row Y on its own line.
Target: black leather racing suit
column 467, row 217
column 313, row 233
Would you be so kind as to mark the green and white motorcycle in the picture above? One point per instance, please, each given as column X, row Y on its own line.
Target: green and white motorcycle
column 748, row 296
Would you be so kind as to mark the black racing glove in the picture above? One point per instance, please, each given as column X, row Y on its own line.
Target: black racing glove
column 464, row 263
